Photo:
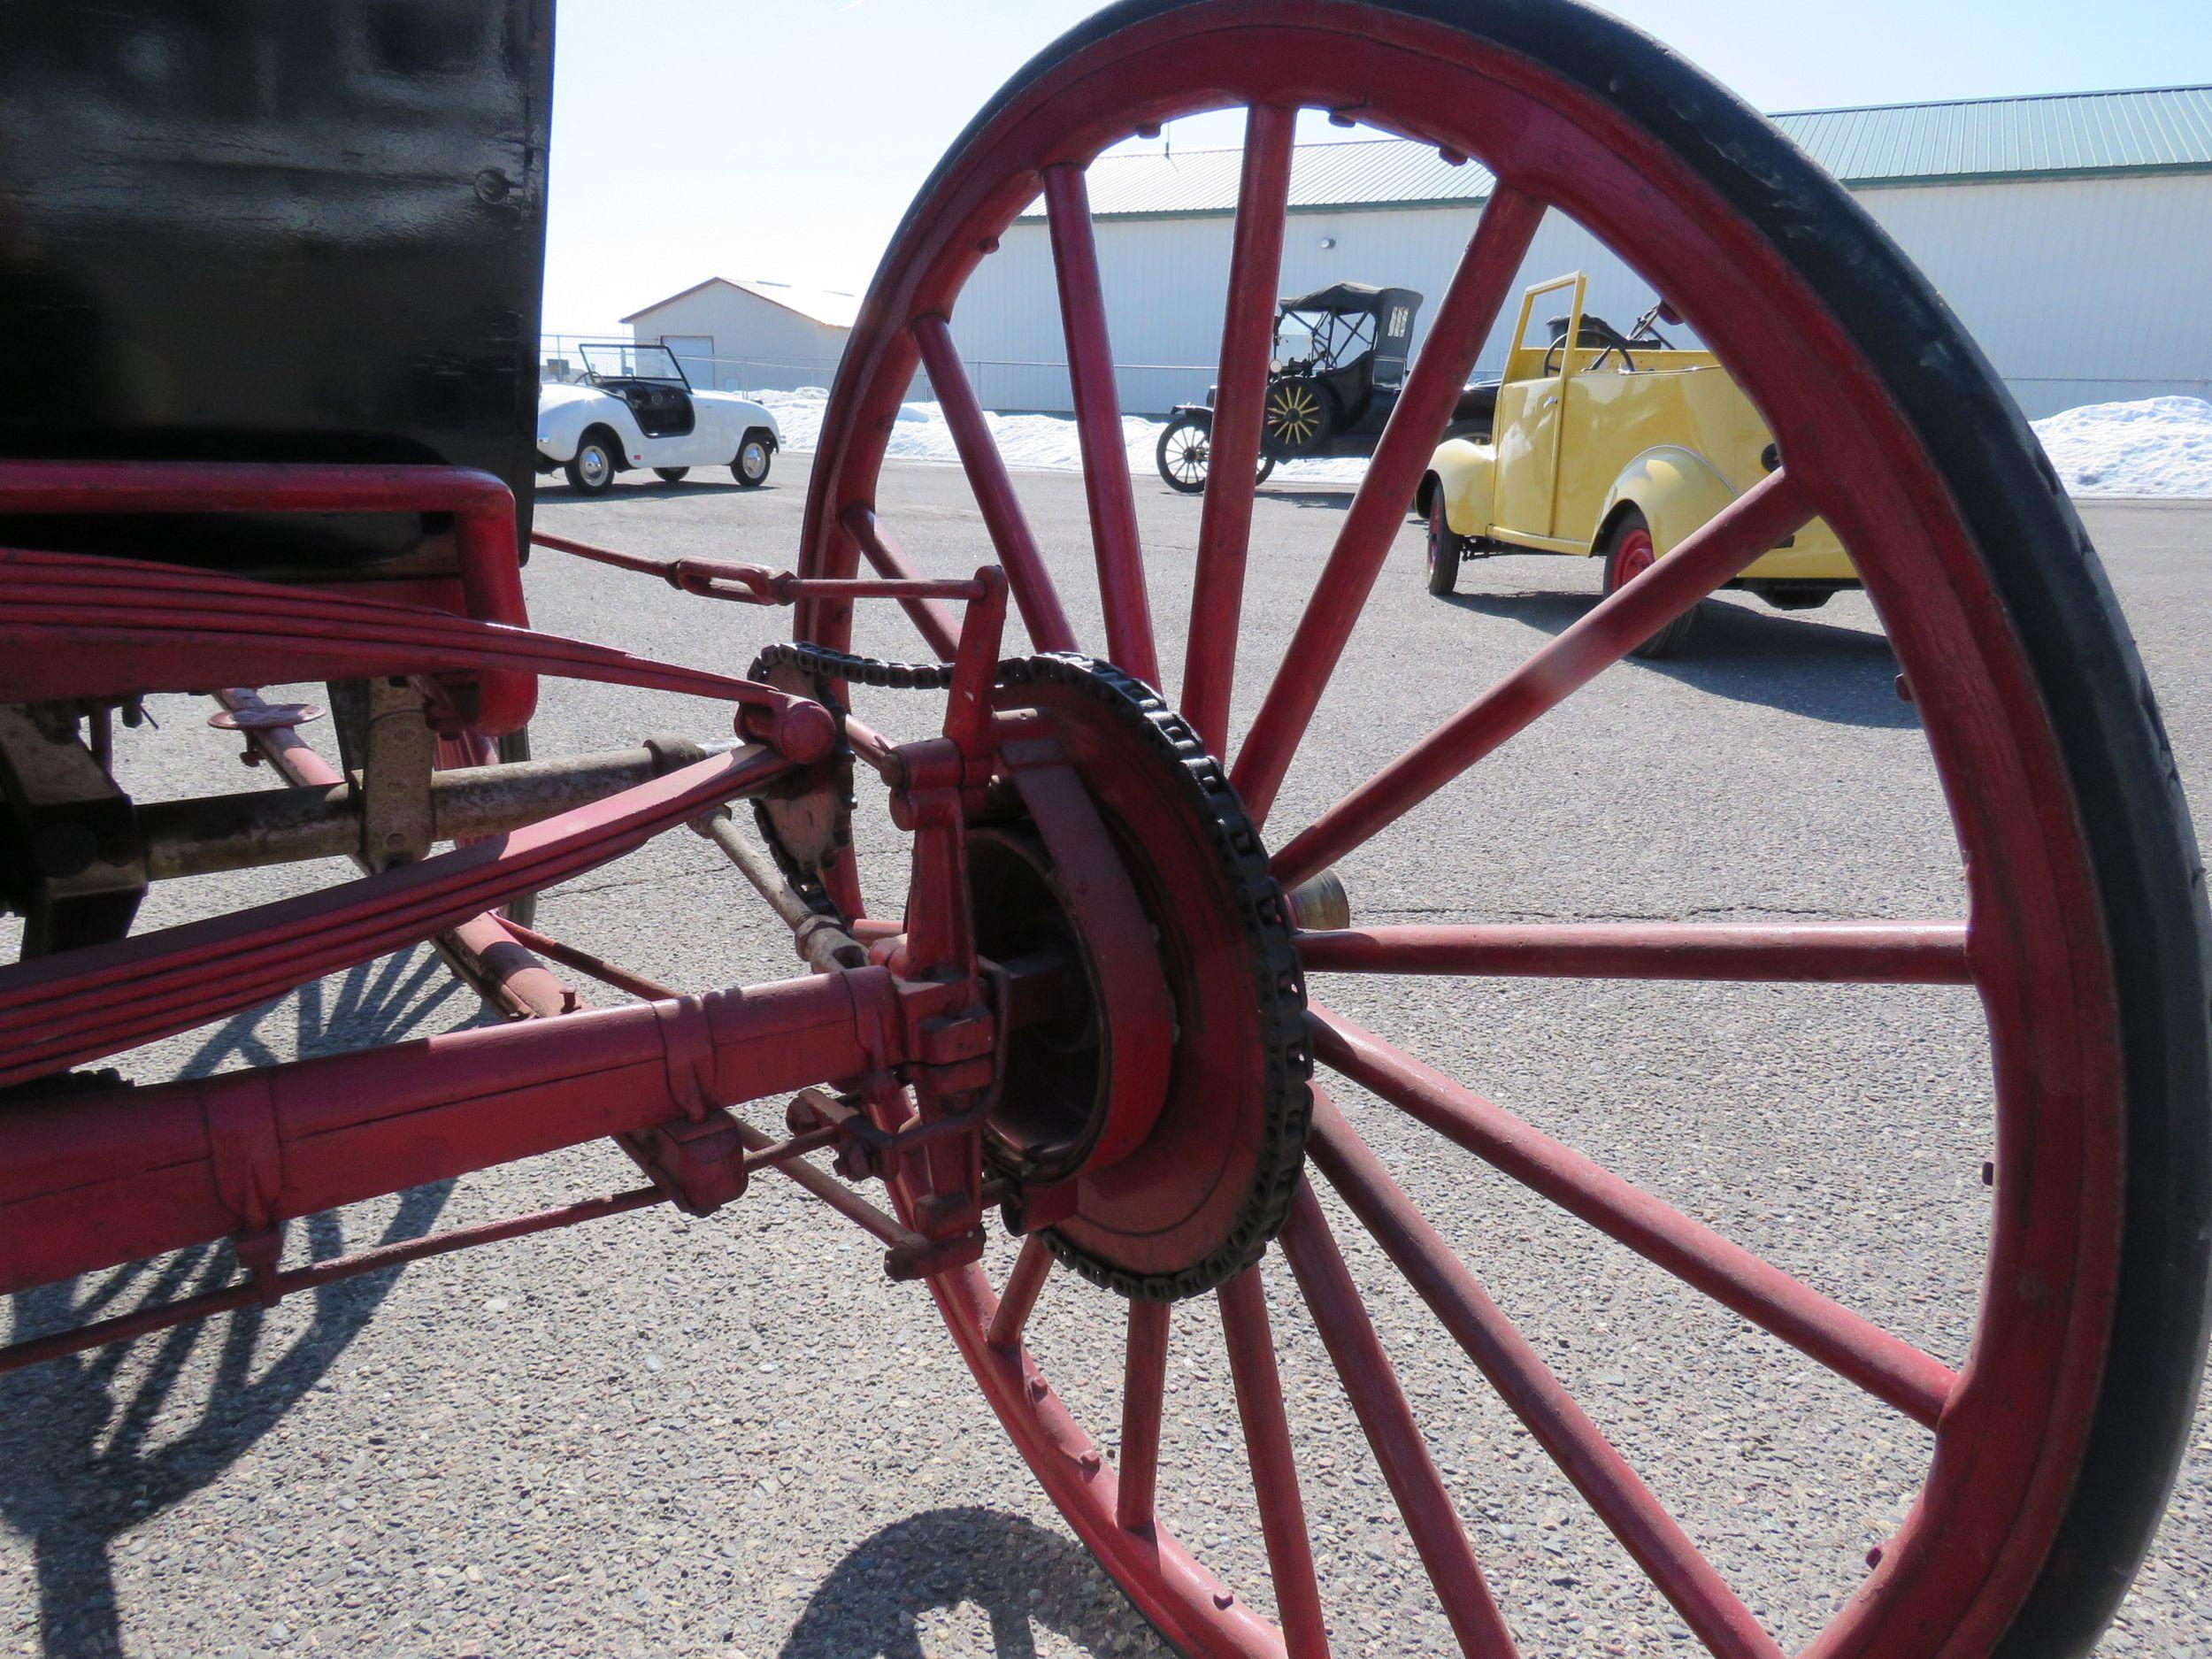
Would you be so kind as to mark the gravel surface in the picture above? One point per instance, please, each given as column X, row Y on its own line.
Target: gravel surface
column 660, row 1436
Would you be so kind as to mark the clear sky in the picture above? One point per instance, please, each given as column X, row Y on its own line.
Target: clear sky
column 783, row 139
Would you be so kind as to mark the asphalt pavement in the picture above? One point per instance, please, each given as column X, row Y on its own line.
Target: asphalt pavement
column 667, row 1437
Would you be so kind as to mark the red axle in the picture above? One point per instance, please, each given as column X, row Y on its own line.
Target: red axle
column 91, row 1181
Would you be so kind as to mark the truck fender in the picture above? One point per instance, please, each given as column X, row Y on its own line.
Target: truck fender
column 1675, row 488
column 1464, row 469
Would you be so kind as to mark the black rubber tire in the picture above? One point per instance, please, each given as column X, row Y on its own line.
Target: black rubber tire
column 754, row 455
column 583, row 477
column 1673, row 639
column 672, row 474
column 1170, row 435
column 1446, row 547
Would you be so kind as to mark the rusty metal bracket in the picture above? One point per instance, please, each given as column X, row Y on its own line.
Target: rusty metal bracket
column 397, row 824
column 699, row 1163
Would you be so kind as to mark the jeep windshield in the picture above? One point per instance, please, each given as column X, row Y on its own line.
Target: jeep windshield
column 621, row 362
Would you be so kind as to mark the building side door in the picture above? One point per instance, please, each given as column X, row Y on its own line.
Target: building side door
column 696, row 354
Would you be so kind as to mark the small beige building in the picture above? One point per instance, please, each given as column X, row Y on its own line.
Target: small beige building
column 754, row 337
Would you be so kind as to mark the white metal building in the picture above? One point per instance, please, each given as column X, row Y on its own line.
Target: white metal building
column 2072, row 233
column 750, row 336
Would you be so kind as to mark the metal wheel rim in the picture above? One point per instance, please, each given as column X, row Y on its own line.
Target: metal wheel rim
column 594, row 466
column 1633, row 557
column 1968, row 1553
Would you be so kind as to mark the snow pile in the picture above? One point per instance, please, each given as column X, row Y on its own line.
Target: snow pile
column 2162, row 446
column 1044, row 443
column 798, row 414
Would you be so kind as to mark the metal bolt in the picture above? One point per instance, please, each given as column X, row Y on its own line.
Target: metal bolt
column 1090, row 1463
column 1874, row 1556
column 1039, row 1389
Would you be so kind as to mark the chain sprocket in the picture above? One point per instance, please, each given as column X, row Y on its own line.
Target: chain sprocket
column 1275, row 982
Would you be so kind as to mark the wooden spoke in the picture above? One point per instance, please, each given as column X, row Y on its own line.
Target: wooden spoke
column 1546, row 1408
column 1891, row 1370
column 1267, row 1449
column 1144, row 1384
column 1836, row 953
column 1409, row 1471
column 1247, row 338
column 1023, row 1285
column 1106, row 484
column 1471, row 308
column 939, row 625
column 1026, row 574
column 1764, row 515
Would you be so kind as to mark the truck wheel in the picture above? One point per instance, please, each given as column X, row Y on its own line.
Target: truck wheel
column 592, row 470
column 1446, row 546
column 672, row 474
column 1629, row 552
column 751, row 468
column 1183, row 449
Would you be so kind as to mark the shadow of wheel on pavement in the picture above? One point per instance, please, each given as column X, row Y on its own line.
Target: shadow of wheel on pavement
column 99, row 1442
column 1844, row 676
column 886, row 1597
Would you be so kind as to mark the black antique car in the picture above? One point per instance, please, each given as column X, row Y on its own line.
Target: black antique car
column 1340, row 364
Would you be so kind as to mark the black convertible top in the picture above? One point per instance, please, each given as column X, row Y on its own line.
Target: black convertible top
column 1351, row 296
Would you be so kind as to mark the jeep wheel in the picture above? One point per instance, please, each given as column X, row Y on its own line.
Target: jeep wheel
column 592, row 471
column 672, row 474
column 751, row 468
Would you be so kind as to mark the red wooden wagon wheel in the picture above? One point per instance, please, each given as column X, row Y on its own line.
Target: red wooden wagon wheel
column 2051, row 1447
column 1094, row 1013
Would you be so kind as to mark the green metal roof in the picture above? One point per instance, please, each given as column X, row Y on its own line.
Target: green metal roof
column 2163, row 129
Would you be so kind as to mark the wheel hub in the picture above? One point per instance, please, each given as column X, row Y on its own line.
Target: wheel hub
column 1165, row 1178
column 1150, row 1115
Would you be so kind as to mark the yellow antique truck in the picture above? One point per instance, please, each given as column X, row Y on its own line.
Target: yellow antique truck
column 1615, row 447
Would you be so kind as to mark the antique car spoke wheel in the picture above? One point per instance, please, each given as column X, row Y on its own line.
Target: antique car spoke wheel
column 1298, row 415
column 1182, row 453
column 2052, row 1442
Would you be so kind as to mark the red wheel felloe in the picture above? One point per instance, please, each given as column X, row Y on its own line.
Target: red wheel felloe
column 2053, row 1442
